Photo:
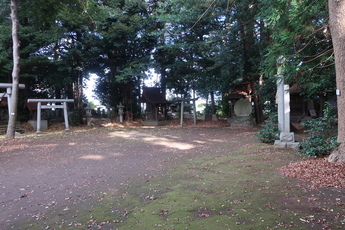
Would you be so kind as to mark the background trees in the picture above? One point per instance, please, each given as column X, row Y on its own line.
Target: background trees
column 207, row 46
column 299, row 31
column 125, row 42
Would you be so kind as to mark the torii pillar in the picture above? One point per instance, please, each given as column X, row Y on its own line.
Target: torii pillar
column 8, row 94
column 182, row 107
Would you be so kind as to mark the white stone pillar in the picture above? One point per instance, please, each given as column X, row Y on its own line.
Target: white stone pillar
column 283, row 105
column 9, row 96
column 280, row 93
column 65, row 113
column 286, row 96
column 286, row 138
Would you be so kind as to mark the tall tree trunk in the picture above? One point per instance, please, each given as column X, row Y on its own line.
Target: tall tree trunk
column 163, row 80
column 80, row 89
column 337, row 26
column 259, row 117
column 213, row 104
column 11, row 128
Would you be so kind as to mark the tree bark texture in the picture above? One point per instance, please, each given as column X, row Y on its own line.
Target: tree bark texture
column 337, row 26
column 11, row 128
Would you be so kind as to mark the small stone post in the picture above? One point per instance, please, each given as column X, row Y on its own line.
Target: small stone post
column 120, row 108
column 182, row 108
column 88, row 115
column 38, row 125
column 286, row 138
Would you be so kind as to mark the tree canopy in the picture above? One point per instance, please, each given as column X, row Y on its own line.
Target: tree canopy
column 209, row 46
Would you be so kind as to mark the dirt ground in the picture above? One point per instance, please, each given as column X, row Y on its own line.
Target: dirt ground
column 73, row 169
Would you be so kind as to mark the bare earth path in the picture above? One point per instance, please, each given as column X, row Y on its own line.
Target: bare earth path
column 74, row 168
column 56, row 172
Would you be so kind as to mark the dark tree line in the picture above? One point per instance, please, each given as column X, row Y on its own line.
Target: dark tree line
column 208, row 47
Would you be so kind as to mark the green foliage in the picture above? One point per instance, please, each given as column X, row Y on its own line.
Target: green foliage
column 322, row 137
column 299, row 31
column 76, row 117
column 269, row 132
column 206, row 46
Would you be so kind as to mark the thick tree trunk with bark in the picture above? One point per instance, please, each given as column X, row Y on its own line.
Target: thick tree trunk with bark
column 337, row 26
column 11, row 128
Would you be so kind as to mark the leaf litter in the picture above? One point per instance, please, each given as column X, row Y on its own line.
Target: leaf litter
column 318, row 171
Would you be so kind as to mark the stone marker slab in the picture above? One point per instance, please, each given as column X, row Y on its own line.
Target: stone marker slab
column 243, row 108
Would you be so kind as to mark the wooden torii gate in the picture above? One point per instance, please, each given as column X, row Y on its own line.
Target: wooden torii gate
column 51, row 106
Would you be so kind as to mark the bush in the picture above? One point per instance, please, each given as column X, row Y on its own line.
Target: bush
column 269, row 132
column 322, row 137
column 76, row 117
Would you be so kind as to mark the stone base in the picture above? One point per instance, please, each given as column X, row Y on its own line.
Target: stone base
column 287, row 140
column 155, row 123
column 292, row 145
column 287, row 137
column 279, row 144
column 241, row 121
column 286, row 145
column 44, row 124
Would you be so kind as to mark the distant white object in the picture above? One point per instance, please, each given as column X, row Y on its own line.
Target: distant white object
column 337, row 92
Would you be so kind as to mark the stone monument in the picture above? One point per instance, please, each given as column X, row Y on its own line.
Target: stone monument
column 243, row 110
column 286, row 138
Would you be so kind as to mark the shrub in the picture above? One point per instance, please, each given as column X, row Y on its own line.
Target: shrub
column 322, row 137
column 76, row 117
column 269, row 132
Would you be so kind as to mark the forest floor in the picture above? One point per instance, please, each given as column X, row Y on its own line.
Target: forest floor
column 209, row 176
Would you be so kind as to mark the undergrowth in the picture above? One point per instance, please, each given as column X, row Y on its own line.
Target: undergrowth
column 322, row 138
column 269, row 132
